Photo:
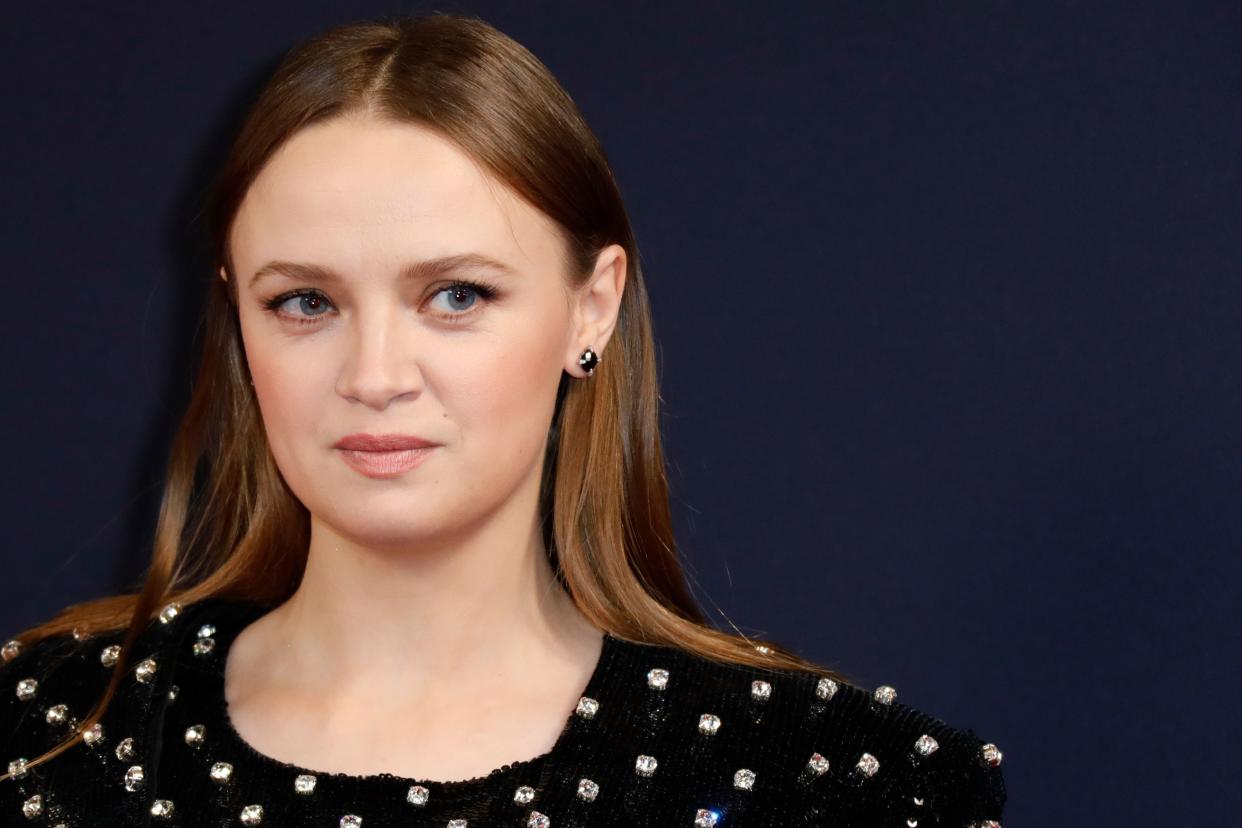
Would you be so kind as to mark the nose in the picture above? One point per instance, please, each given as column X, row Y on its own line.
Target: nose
column 379, row 367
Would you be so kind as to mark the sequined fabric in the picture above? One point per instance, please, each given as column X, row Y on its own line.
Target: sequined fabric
column 660, row 737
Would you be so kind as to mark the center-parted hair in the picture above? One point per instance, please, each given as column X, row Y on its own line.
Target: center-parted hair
column 228, row 524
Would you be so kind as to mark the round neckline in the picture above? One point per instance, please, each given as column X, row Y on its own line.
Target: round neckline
column 230, row 617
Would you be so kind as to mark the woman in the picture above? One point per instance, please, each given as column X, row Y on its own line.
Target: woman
column 414, row 563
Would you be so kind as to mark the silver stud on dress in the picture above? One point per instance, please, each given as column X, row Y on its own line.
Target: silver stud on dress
column 145, row 671
column 195, row 735
column 133, row 778
column 32, row 808
column 868, row 764
column 709, row 724
column 587, row 790
column 417, row 795
column 93, row 735
column 17, row 768
column 538, row 820
column 221, row 773
column 744, row 779
column 645, row 765
column 885, row 694
column 27, row 689
column 125, row 749
column 351, row 821
column 204, row 647
column 657, row 678
column 162, row 809
column 207, row 631
column 826, row 689
column 252, row 815
column 57, row 714
column 587, row 707
column 987, row 823
column 10, row 650
column 81, row 634
column 703, row 818
column 523, row 795
column 304, row 784
column 760, row 690
column 170, row 612
column 817, row 764
column 108, row 655
column 991, row 754
column 457, row 823
column 926, row 745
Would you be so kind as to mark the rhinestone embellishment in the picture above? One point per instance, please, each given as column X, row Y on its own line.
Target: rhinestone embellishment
column 523, row 795
column 169, row 612
column 760, row 690
column 703, row 818
column 10, row 650
column 172, row 692
column 204, row 647
column 17, row 768
column 207, row 631
column 926, row 745
column 645, row 765
column 709, row 724
column 57, row 714
column 221, row 773
column 538, row 820
column 587, row 790
column 744, row 779
column 991, row 754
column 587, row 707
column 657, row 678
column 826, row 689
column 817, row 764
column 133, row 778
column 162, row 808
column 27, row 688
column 125, row 749
column 108, row 655
column 457, row 823
column 885, row 694
column 417, row 795
column 195, row 735
column 351, row 821
column 304, row 784
column 868, row 764
column 252, row 815
column 33, row 807
column 145, row 671
column 93, row 735
column 81, row 634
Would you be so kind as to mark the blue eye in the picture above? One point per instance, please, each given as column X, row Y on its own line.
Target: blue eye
column 300, row 306
column 306, row 306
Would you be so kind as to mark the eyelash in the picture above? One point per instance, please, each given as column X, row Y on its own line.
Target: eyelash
column 485, row 291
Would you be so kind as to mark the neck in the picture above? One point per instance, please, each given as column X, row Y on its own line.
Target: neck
column 483, row 603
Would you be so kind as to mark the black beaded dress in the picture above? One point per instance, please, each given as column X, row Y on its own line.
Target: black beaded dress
column 660, row 737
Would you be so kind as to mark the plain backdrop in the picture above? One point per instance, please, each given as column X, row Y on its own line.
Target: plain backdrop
column 947, row 300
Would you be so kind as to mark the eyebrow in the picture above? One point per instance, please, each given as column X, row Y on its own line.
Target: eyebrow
column 415, row 270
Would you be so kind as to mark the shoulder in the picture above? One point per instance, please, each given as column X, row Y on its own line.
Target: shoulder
column 826, row 752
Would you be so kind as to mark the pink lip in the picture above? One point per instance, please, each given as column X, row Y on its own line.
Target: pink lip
column 383, row 455
column 382, row 442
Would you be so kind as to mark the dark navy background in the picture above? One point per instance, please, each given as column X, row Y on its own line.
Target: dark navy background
column 948, row 307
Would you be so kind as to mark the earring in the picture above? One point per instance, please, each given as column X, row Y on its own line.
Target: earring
column 589, row 360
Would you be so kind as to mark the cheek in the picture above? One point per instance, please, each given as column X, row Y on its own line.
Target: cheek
column 289, row 389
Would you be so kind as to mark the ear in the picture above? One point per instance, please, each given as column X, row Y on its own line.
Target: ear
column 596, row 305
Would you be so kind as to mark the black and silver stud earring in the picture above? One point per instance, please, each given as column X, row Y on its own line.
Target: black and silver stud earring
column 589, row 360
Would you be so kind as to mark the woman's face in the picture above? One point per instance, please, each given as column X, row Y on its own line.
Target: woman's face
column 370, row 305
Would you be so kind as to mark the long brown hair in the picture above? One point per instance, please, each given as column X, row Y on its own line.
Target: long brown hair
column 228, row 525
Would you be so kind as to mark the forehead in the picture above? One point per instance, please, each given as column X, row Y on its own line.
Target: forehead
column 363, row 193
